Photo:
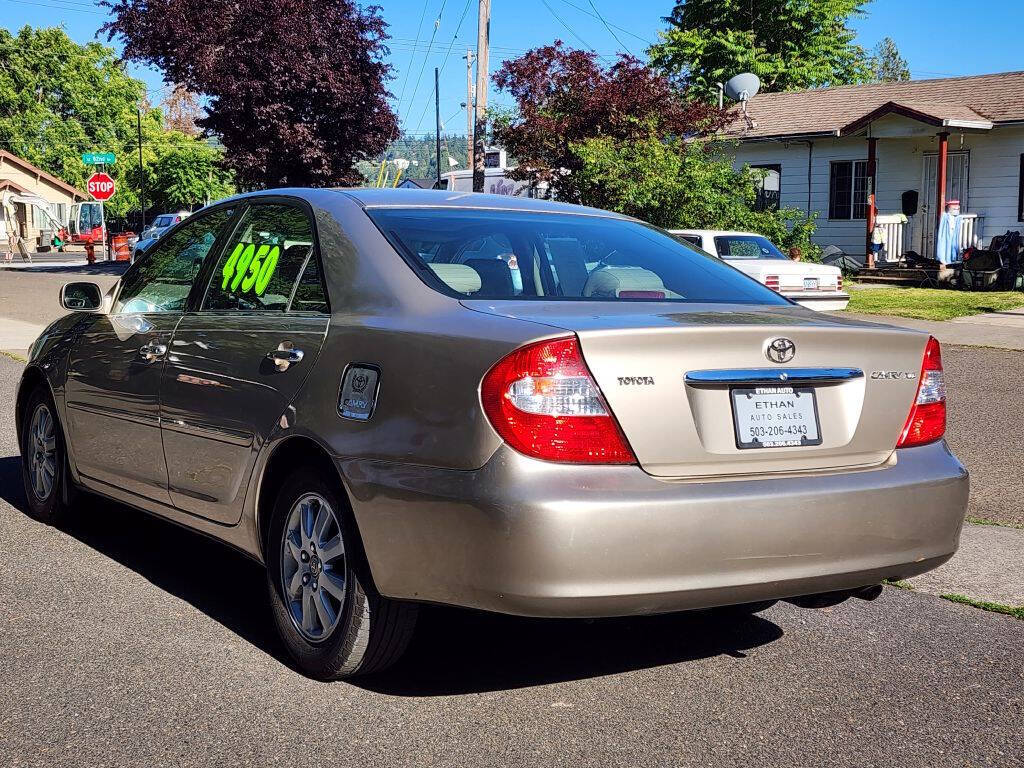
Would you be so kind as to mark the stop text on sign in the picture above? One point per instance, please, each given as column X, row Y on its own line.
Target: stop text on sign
column 100, row 186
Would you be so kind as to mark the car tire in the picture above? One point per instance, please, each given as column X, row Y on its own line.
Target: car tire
column 44, row 466
column 369, row 632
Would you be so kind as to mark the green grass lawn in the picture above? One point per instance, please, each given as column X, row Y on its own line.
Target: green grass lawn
column 929, row 303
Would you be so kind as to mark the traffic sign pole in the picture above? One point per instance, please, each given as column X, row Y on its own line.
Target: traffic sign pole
column 103, row 221
column 102, row 188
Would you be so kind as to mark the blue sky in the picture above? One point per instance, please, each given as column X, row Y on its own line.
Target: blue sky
column 938, row 38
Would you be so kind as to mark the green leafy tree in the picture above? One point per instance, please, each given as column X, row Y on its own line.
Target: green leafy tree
column 789, row 44
column 887, row 64
column 59, row 99
column 188, row 173
column 675, row 183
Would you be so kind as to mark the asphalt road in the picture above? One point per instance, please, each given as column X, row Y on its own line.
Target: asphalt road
column 127, row 641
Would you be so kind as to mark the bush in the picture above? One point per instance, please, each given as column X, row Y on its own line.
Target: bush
column 679, row 184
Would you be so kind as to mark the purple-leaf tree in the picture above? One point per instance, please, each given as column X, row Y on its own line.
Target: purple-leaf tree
column 565, row 97
column 295, row 89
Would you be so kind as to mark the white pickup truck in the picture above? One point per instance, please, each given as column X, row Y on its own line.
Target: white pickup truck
column 817, row 286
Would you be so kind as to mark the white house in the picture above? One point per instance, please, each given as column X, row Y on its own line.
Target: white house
column 916, row 144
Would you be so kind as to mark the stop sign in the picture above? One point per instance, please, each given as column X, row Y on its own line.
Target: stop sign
column 100, row 186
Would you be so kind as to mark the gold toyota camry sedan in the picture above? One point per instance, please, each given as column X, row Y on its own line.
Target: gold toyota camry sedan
column 397, row 397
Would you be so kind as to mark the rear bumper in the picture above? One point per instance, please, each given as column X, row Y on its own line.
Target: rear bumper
column 525, row 537
column 828, row 302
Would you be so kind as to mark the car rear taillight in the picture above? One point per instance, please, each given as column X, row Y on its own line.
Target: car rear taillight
column 772, row 281
column 543, row 401
column 927, row 420
column 839, row 283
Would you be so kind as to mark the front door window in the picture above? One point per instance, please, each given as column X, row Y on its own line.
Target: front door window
column 161, row 281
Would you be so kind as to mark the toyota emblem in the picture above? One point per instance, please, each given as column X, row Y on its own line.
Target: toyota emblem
column 780, row 350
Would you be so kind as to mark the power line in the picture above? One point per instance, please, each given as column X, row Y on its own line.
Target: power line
column 78, row 9
column 581, row 9
column 610, row 30
column 412, row 56
column 403, row 44
column 419, row 77
column 462, row 18
column 570, row 30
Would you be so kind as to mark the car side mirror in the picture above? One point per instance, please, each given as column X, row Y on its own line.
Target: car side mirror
column 81, row 297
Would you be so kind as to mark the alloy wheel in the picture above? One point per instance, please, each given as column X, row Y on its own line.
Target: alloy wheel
column 42, row 447
column 313, row 567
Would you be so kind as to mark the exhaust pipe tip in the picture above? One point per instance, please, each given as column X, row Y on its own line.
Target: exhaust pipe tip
column 828, row 599
column 868, row 593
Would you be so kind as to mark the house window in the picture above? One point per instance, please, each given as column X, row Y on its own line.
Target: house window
column 769, row 189
column 848, row 190
column 1020, row 192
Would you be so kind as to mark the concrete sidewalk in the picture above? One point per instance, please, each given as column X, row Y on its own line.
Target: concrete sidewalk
column 16, row 336
column 1004, row 330
column 35, row 264
column 988, row 567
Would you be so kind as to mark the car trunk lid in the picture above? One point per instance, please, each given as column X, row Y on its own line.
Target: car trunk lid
column 641, row 354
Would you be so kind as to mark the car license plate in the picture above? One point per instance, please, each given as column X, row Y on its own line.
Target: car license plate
column 775, row 417
column 810, row 283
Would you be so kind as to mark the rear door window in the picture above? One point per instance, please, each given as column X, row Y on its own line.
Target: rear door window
column 746, row 247
column 268, row 264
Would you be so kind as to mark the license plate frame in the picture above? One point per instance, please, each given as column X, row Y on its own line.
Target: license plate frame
column 782, row 440
column 811, row 284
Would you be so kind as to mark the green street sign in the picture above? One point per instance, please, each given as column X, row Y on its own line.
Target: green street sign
column 98, row 158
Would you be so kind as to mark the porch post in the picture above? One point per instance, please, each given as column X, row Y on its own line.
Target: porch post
column 870, row 256
column 940, row 178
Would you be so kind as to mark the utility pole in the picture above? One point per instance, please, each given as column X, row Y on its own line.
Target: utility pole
column 470, row 111
column 483, row 40
column 437, row 123
column 142, row 171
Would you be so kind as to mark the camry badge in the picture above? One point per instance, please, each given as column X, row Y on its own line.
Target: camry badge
column 780, row 350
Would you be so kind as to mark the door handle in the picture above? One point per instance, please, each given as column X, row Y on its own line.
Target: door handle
column 152, row 351
column 285, row 355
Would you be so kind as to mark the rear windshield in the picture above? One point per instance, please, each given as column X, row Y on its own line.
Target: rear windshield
column 163, row 221
column 521, row 255
column 746, row 247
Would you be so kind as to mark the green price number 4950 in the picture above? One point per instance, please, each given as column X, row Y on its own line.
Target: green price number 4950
column 249, row 267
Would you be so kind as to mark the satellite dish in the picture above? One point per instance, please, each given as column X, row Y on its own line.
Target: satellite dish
column 743, row 87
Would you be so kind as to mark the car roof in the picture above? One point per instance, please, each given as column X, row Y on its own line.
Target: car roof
column 714, row 232
column 373, row 197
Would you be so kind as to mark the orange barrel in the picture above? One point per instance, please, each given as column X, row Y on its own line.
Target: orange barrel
column 122, row 247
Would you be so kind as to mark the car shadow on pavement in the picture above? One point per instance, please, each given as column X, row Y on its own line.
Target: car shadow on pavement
column 458, row 651
column 222, row 583
column 453, row 651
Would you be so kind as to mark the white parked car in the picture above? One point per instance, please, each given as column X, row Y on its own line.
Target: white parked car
column 817, row 286
column 161, row 224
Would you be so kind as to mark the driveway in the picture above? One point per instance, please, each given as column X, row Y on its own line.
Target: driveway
column 129, row 641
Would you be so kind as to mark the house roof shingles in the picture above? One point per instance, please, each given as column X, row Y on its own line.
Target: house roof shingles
column 996, row 98
column 10, row 157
